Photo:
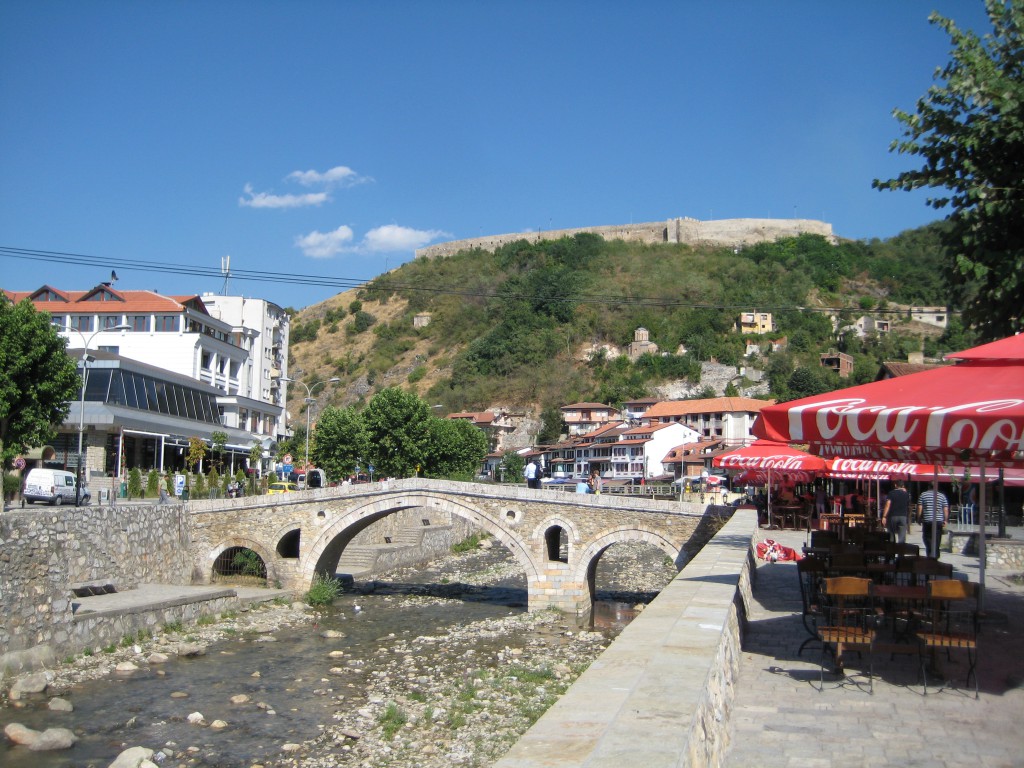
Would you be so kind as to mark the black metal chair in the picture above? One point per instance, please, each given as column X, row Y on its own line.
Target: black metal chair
column 850, row 623
column 951, row 625
column 811, row 572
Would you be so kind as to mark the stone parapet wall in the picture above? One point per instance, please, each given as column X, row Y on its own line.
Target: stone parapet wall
column 662, row 693
column 44, row 551
column 731, row 233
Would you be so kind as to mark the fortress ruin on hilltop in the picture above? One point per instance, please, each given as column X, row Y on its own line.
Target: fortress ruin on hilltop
column 729, row 233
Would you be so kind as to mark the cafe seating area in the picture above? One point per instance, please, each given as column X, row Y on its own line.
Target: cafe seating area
column 863, row 596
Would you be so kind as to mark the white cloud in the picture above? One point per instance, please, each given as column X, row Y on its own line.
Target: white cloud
column 324, row 245
column 340, row 175
column 392, row 237
column 266, row 200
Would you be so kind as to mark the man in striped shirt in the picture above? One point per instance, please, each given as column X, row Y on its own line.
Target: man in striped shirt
column 933, row 512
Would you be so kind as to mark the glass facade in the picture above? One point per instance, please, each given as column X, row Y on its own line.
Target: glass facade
column 136, row 390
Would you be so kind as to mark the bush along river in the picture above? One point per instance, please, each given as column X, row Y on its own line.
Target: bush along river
column 437, row 665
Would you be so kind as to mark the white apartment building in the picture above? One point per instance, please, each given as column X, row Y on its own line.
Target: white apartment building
column 263, row 327
column 230, row 353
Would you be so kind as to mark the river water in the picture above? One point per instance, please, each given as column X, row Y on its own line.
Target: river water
column 295, row 687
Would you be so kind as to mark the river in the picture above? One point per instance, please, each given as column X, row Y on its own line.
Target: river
column 434, row 665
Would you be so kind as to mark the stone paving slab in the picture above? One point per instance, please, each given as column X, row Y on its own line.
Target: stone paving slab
column 781, row 720
column 150, row 597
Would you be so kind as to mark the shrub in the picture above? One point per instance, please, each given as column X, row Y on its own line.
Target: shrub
column 324, row 590
column 135, row 483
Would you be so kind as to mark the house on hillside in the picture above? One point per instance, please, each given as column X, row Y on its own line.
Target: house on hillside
column 639, row 452
column 497, row 426
column 727, row 418
column 691, row 459
column 581, row 418
column 634, row 410
column 755, row 323
column 840, row 362
column 915, row 363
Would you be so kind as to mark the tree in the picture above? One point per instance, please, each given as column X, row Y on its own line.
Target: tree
column 39, row 378
column 456, row 451
column 969, row 130
column 196, row 452
column 398, row 432
column 218, row 442
column 339, row 441
column 552, row 425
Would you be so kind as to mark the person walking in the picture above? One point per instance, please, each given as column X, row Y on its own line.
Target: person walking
column 595, row 481
column 933, row 512
column 896, row 514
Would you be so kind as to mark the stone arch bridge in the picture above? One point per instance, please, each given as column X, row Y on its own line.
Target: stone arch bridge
column 558, row 538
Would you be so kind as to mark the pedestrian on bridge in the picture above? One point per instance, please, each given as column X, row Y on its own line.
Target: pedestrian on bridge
column 533, row 473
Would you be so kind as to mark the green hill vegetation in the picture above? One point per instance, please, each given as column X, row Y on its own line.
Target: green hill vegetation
column 527, row 325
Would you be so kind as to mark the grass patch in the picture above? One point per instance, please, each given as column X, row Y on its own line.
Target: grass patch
column 468, row 544
column 173, row 626
column 392, row 720
column 324, row 590
column 110, row 648
column 205, row 621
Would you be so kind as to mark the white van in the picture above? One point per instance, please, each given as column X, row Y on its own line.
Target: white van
column 54, row 486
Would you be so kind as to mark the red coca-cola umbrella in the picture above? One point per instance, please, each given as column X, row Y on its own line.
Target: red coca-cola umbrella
column 971, row 413
column 770, row 457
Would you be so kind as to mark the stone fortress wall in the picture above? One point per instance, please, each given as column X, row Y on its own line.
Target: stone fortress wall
column 729, row 233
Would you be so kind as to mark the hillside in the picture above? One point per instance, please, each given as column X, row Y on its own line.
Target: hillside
column 533, row 326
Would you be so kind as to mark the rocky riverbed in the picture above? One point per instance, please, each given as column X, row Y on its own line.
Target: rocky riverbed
column 458, row 694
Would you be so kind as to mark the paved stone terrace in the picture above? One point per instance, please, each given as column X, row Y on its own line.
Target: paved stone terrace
column 780, row 720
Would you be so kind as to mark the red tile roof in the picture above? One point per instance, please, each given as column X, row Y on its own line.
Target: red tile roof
column 121, row 302
column 668, row 408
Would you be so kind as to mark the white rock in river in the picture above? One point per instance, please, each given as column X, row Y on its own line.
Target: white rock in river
column 240, row 698
column 126, row 667
column 332, row 633
column 57, row 704
column 53, row 738
column 158, row 658
column 34, row 683
column 218, row 725
column 196, row 718
column 20, row 734
column 133, row 757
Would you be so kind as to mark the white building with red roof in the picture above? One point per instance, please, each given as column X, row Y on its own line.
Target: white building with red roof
column 727, row 418
column 230, row 363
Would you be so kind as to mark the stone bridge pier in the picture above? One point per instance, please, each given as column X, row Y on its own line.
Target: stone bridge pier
column 557, row 538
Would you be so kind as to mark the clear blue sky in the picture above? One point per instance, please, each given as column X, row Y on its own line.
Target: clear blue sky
column 334, row 138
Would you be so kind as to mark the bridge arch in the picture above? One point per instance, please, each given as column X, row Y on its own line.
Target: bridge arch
column 325, row 549
column 247, row 543
column 585, row 570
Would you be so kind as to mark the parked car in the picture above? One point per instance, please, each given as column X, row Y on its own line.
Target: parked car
column 281, row 486
column 54, row 486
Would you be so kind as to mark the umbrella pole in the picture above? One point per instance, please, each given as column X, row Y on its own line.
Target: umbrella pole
column 935, row 509
column 768, row 507
column 982, row 557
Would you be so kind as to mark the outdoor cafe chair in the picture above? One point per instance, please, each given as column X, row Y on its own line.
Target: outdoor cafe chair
column 811, row 572
column 920, row 570
column 951, row 624
column 895, row 550
column 850, row 623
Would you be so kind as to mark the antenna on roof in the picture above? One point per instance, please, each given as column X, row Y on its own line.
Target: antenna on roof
column 225, row 269
column 113, row 276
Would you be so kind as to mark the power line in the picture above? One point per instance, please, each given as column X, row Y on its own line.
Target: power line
column 386, row 283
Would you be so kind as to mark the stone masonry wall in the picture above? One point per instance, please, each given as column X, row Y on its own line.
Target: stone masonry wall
column 43, row 552
column 732, row 233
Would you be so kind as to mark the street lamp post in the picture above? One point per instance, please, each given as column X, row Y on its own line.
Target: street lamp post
column 309, row 400
column 81, row 405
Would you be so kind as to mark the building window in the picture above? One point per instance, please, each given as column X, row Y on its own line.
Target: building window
column 110, row 321
column 83, row 323
column 139, row 323
column 166, row 323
